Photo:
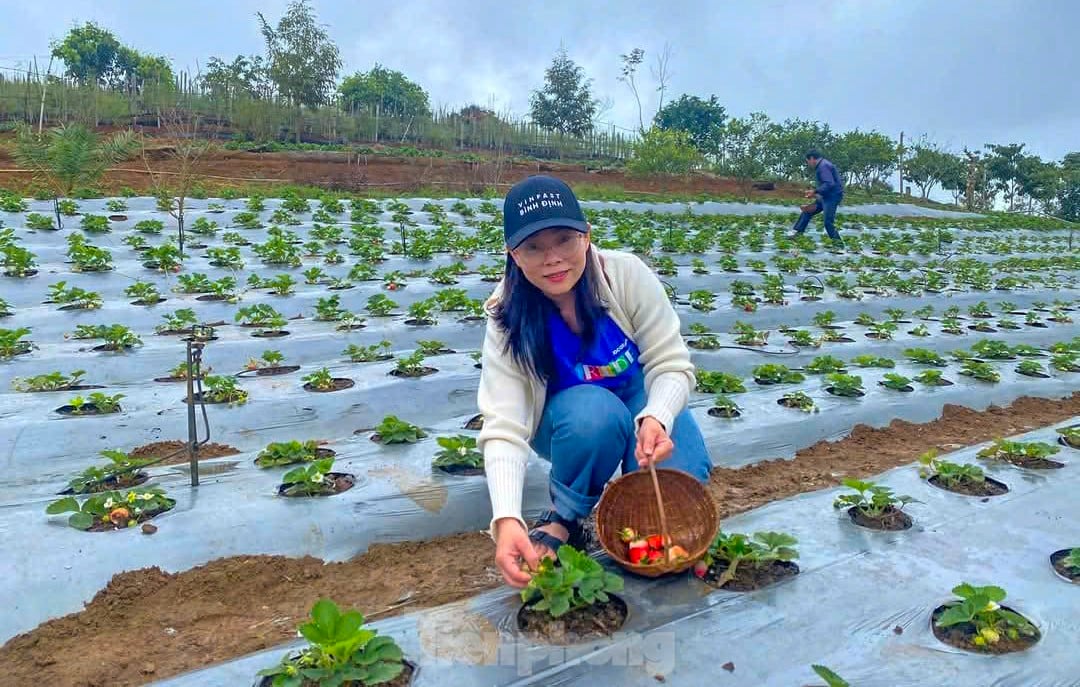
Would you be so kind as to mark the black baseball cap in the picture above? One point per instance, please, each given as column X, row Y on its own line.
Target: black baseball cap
column 537, row 203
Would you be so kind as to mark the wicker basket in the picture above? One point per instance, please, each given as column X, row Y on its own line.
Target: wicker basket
column 630, row 501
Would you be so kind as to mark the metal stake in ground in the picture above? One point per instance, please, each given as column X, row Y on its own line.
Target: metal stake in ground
column 199, row 335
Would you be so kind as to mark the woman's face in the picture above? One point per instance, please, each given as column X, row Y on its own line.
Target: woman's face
column 553, row 260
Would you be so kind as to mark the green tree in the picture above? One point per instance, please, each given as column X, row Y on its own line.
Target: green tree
column 785, row 146
column 244, row 77
column 865, row 157
column 89, row 54
column 1003, row 165
column 702, row 120
column 664, row 152
column 302, row 61
column 742, row 149
column 1068, row 201
column 386, row 89
column 927, row 167
column 565, row 103
column 1040, row 182
column 69, row 157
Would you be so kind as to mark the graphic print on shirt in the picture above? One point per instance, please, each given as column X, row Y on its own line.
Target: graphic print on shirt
column 606, row 361
column 624, row 358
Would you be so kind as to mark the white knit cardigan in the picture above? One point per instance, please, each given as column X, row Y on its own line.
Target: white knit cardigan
column 512, row 399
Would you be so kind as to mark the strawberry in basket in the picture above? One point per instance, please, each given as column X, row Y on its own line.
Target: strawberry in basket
column 650, row 549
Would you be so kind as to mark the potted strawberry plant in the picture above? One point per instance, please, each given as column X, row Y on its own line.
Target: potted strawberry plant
column 1034, row 455
column 896, row 382
column 121, row 472
column 798, row 400
column 281, row 453
column 96, row 403
column 269, row 364
column 571, row 602
column 848, row 386
column 394, row 431
column 220, row 389
column 457, row 455
column 775, row 373
column 315, row 479
column 978, row 622
column 932, row 378
column 369, row 354
column 874, row 506
column 322, row 381
column 340, row 651
column 412, row 366
column 112, row 510
column 715, row 382
column 724, row 407
column 741, row 563
column 966, row 479
column 1066, row 563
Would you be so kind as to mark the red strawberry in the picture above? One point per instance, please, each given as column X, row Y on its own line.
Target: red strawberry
column 638, row 556
column 655, row 541
column 700, row 569
column 655, row 556
column 627, row 535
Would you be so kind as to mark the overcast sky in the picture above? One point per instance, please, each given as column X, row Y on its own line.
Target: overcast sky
column 963, row 72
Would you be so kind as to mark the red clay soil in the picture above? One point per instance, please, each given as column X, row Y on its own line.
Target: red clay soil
column 147, row 624
column 348, row 172
column 176, row 451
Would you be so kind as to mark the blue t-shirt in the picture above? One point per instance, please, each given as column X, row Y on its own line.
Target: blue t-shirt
column 611, row 359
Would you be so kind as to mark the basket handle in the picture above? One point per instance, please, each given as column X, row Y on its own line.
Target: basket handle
column 660, row 505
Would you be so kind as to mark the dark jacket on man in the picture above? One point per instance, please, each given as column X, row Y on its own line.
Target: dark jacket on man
column 828, row 179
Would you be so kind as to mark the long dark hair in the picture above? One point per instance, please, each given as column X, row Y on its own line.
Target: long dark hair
column 523, row 312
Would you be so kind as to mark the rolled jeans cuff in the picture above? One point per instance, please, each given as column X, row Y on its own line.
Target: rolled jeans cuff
column 569, row 503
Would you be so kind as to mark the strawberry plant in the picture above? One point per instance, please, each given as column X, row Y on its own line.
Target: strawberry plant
column 1071, row 562
column 924, row 356
column 452, row 300
column 394, row 431
column 844, row 385
column 980, row 618
column 116, row 205
column 117, row 337
column 873, row 361
column 1027, row 351
column 801, row 337
column 74, row 297
column 951, row 475
column 329, row 309
column 980, row 309
column 121, row 471
column 260, row 315
column 10, row 202
column 246, row 220
column 798, row 400
column 18, row 261
column 724, row 407
column 67, row 207
column 993, row 350
column 94, row 224
column 883, row 330
column 220, row 389
column 87, row 258
column 896, row 382
column 924, row 313
column 394, row 281
column 144, row 293
column 577, row 582
column 311, row 479
column 320, row 380
column 932, row 378
column 314, row 275
column 432, row 347
column 281, row 285
column 362, row 271
column 180, row 371
column 179, row 321
column 864, row 319
column 112, row 510
column 422, row 313
column 458, row 451
column 1071, row 435
column 1030, row 368
column 824, row 364
column 707, row 342
column 746, row 335
column 369, row 354
column 698, row 328
column 713, row 382
column 1033, row 319
column 1018, row 451
column 774, row 373
column 203, row 227
column 982, row 371
column 1065, row 362
column 825, row 319
column 380, row 306
column 196, row 282
column 412, row 365
column 11, row 343
column 225, row 257
column 149, row 226
column 728, row 551
column 895, row 314
column 53, row 381
column 340, row 651
column 951, row 325
column 872, row 500
column 701, row 299
column 38, row 222
column 698, row 266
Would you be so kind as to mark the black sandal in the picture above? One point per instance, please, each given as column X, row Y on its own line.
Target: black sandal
column 573, row 527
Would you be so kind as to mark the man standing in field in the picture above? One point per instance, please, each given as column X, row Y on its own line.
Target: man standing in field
column 829, row 192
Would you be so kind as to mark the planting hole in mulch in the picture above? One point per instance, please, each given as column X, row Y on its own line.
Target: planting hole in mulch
column 176, row 379
column 883, row 337
column 113, row 482
column 342, row 481
column 269, row 371
column 86, row 409
column 987, row 487
column 117, row 218
column 1057, row 561
column 77, row 387
column 460, row 470
column 728, row 413
column 942, row 382
column 320, row 453
column 212, row 297
column 581, row 624
column 198, row 397
column 74, row 306
column 144, row 302
column 982, row 328
column 1040, row 325
column 750, row 576
column 476, row 422
column 424, row 372
column 1032, row 463
column 891, row 520
column 962, row 635
column 858, row 394
column 404, row 679
column 339, row 384
column 415, row 322
column 841, row 339
column 270, row 334
column 341, row 288
column 1065, row 442
column 174, row 451
column 99, row 526
column 907, row 388
column 1037, row 375
column 111, row 348
column 350, row 327
column 809, row 298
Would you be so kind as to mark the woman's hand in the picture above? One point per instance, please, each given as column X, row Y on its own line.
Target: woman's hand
column 512, row 545
column 653, row 443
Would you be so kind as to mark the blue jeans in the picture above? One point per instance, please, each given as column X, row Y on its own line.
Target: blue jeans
column 828, row 206
column 587, row 432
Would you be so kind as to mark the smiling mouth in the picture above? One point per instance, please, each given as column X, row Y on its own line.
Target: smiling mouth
column 557, row 276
